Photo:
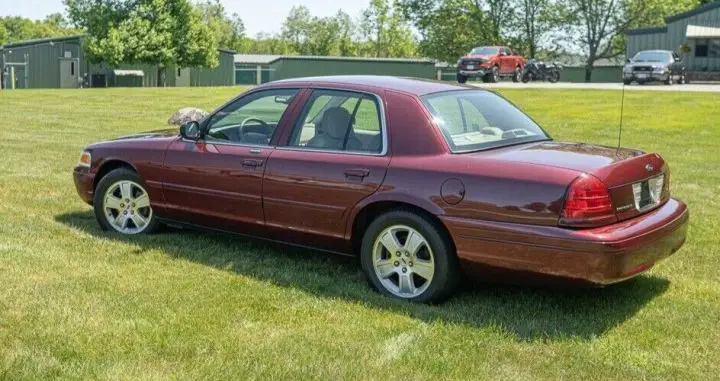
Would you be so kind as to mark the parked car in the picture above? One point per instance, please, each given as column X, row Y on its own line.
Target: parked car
column 490, row 63
column 423, row 180
column 541, row 71
column 655, row 65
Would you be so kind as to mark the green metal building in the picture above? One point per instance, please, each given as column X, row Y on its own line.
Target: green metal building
column 256, row 69
column 696, row 34
column 60, row 63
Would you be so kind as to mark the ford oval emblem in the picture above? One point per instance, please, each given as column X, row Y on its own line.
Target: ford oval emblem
column 649, row 167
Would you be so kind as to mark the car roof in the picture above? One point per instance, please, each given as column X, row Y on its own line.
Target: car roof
column 414, row 86
column 655, row 51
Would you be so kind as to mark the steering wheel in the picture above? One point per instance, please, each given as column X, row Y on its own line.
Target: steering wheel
column 265, row 126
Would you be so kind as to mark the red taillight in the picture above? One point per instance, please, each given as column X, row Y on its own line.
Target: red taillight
column 588, row 203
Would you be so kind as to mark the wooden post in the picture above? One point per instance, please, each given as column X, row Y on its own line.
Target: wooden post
column 12, row 77
column 258, row 74
column 439, row 75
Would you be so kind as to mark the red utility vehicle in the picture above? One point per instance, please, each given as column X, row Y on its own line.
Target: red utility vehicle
column 423, row 180
column 490, row 63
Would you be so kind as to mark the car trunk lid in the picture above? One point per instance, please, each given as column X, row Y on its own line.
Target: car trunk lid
column 637, row 181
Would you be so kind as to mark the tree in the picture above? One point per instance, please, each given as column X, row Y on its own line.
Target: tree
column 4, row 37
column 229, row 31
column 387, row 33
column 296, row 28
column 347, row 46
column 154, row 32
column 13, row 28
column 534, row 20
column 449, row 28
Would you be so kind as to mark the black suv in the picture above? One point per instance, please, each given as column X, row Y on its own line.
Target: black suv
column 655, row 65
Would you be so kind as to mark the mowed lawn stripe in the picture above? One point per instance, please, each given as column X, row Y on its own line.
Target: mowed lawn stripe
column 77, row 302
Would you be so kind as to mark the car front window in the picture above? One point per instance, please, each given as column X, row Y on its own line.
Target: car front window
column 473, row 120
column 484, row 51
column 652, row 57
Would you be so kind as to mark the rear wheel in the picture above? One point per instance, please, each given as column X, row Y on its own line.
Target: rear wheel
column 554, row 77
column 461, row 78
column 408, row 257
column 669, row 80
column 517, row 75
column 527, row 77
column 122, row 203
column 683, row 78
column 627, row 81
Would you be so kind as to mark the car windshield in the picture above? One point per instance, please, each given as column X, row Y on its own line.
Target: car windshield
column 652, row 57
column 484, row 51
column 472, row 120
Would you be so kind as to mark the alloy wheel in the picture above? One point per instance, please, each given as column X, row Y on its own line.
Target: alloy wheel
column 403, row 261
column 126, row 206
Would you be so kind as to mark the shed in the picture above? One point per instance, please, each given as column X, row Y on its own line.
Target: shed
column 59, row 62
column 253, row 69
column 306, row 66
column 697, row 31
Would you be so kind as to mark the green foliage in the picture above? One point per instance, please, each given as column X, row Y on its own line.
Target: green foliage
column 229, row 31
column 155, row 32
column 14, row 28
column 386, row 32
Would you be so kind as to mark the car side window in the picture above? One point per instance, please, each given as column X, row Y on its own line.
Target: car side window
column 339, row 121
column 251, row 119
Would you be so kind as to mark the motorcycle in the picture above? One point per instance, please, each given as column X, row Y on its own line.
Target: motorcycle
column 539, row 71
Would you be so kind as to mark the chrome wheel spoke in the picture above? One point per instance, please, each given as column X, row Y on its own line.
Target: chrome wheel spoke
column 113, row 202
column 413, row 242
column 424, row 269
column 120, row 221
column 126, row 190
column 142, row 201
column 389, row 241
column 385, row 268
column 406, row 284
column 138, row 220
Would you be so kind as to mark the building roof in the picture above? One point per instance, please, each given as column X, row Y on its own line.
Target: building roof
column 633, row 32
column 42, row 41
column 267, row 59
column 415, row 86
column 695, row 31
column 692, row 12
column 256, row 58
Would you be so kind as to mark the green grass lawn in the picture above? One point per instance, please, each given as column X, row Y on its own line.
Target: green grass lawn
column 79, row 303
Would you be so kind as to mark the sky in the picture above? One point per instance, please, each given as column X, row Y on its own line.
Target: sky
column 258, row 15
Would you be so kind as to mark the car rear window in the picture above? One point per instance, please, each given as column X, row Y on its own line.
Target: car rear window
column 472, row 120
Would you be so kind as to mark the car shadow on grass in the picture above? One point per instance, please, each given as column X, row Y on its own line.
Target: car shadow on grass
column 528, row 313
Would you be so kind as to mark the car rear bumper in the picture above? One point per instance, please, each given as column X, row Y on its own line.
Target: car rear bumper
column 84, row 181
column 598, row 256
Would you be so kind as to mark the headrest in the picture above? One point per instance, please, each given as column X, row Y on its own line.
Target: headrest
column 335, row 122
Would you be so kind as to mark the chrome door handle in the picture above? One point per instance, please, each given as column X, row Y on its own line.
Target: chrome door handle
column 357, row 173
column 252, row 163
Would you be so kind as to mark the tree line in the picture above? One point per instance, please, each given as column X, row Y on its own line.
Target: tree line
column 179, row 32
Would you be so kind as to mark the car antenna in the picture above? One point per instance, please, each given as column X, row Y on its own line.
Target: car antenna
column 622, row 107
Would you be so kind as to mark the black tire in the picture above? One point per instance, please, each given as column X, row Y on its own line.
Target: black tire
column 526, row 78
column 627, row 82
column 683, row 79
column 669, row 80
column 446, row 275
column 494, row 76
column 461, row 78
column 106, row 182
column 554, row 77
column 517, row 75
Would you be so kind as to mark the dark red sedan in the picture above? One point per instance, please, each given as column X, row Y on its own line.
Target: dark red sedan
column 423, row 180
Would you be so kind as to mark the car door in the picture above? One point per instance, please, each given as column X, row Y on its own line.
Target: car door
column 217, row 180
column 335, row 155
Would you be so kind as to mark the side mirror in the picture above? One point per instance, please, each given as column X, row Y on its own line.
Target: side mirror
column 191, row 131
column 628, row 60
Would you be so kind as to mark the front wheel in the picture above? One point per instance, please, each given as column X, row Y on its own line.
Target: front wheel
column 406, row 256
column 122, row 203
column 461, row 78
column 526, row 78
